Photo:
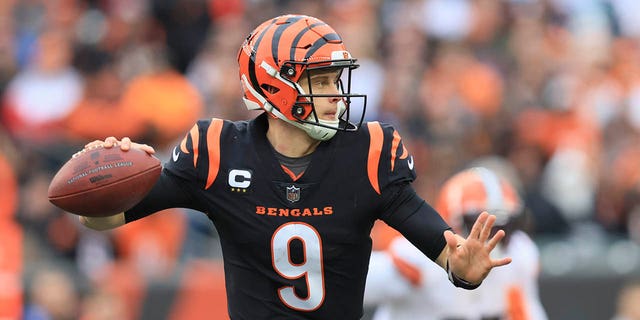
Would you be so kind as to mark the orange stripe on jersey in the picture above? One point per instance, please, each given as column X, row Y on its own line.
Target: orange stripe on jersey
column 291, row 174
column 516, row 304
column 407, row 270
column 213, row 146
column 405, row 153
column 183, row 143
column 394, row 148
column 375, row 149
column 195, row 139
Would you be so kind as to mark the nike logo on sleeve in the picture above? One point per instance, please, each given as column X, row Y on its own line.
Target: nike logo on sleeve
column 175, row 154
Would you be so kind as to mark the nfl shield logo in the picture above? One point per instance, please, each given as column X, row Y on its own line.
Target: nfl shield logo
column 293, row 193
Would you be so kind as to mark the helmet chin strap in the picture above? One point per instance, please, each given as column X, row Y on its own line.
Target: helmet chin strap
column 322, row 133
column 314, row 131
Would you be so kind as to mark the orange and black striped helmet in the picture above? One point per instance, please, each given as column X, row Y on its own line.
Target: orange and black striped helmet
column 276, row 55
column 466, row 194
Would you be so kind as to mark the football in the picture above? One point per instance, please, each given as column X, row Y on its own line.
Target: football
column 102, row 181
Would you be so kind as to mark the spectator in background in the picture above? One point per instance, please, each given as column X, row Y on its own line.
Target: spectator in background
column 11, row 235
column 132, row 77
column 403, row 285
column 102, row 305
column 52, row 295
column 103, row 90
column 166, row 103
column 44, row 92
column 185, row 24
column 8, row 61
column 209, row 72
column 627, row 307
column 153, row 248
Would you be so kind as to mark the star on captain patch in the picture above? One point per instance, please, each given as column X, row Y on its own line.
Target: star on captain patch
column 293, row 193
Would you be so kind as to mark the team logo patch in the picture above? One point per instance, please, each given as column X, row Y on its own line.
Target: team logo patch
column 293, row 193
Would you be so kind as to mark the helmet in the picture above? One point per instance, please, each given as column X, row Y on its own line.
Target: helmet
column 277, row 54
column 465, row 195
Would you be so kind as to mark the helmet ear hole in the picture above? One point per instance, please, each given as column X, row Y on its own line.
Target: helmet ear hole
column 269, row 88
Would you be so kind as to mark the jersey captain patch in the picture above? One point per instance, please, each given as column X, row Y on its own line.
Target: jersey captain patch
column 239, row 180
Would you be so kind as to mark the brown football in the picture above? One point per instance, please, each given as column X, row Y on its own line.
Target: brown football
column 102, row 182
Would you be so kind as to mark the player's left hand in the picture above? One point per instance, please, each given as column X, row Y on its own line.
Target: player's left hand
column 470, row 258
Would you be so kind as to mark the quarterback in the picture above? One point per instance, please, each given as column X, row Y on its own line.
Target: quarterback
column 295, row 191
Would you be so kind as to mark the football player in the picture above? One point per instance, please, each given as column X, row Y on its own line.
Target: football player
column 422, row 291
column 294, row 192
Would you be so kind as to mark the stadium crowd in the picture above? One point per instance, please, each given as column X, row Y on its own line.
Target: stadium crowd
column 549, row 89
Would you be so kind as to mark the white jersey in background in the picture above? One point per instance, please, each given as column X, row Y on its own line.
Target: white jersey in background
column 403, row 284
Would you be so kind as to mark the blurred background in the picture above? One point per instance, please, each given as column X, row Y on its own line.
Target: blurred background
column 547, row 91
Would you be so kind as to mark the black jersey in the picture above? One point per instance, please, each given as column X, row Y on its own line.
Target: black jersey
column 295, row 247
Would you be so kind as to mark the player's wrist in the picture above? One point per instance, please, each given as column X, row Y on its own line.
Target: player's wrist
column 459, row 282
column 103, row 223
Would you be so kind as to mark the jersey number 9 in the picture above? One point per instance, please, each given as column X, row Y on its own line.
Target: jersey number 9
column 311, row 267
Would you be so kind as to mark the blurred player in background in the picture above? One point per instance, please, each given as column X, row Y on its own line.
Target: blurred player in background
column 294, row 192
column 402, row 284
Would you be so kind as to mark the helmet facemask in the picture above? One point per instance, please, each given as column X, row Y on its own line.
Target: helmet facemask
column 304, row 109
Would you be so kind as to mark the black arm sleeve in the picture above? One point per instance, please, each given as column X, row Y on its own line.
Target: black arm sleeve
column 167, row 193
column 416, row 220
